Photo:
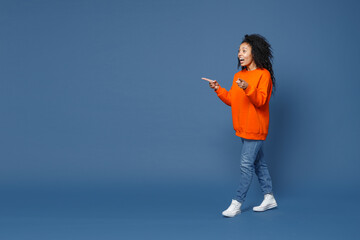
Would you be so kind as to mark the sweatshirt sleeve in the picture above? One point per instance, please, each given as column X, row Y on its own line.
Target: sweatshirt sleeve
column 259, row 95
column 224, row 95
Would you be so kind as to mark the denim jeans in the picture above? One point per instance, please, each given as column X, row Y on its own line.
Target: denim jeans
column 252, row 158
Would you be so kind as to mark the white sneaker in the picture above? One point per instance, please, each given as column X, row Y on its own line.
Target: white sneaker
column 268, row 203
column 233, row 209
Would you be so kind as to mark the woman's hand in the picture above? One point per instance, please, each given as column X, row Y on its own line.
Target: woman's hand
column 242, row 84
column 212, row 83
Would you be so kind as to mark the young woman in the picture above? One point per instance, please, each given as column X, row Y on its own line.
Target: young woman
column 249, row 98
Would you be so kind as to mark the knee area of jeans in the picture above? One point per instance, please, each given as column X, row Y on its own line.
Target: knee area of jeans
column 260, row 166
column 246, row 162
column 247, row 166
column 248, row 156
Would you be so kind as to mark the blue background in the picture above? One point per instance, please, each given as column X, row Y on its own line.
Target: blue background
column 107, row 127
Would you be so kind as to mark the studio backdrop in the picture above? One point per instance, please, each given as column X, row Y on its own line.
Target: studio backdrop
column 98, row 92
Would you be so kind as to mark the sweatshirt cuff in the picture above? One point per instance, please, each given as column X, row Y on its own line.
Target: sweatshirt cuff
column 249, row 90
column 219, row 90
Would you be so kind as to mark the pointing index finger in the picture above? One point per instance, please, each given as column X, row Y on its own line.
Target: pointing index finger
column 209, row 80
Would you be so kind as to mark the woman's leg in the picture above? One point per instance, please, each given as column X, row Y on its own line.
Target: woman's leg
column 249, row 153
column 262, row 172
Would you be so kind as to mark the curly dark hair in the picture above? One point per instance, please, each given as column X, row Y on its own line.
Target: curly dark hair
column 261, row 52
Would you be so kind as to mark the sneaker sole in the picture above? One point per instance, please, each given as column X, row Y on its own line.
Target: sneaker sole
column 230, row 216
column 274, row 205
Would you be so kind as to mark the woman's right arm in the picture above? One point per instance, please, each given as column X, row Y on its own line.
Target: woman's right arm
column 224, row 95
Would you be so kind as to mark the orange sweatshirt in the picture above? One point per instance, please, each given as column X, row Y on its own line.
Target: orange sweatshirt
column 249, row 107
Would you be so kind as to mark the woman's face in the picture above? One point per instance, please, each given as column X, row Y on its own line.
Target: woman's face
column 244, row 54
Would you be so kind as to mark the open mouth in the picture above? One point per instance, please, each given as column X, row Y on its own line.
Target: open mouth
column 241, row 59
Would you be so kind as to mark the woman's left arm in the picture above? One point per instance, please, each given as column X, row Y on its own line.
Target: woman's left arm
column 259, row 95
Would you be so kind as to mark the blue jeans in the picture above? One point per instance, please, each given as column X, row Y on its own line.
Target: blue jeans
column 252, row 158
